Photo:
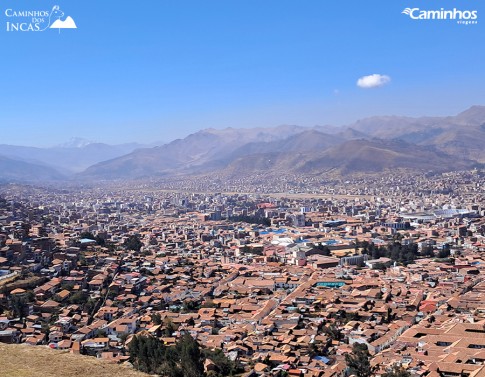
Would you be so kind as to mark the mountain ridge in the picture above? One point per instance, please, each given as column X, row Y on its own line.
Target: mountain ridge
column 12, row 170
column 372, row 144
column 437, row 142
column 71, row 157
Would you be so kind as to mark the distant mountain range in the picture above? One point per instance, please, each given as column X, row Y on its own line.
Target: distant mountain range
column 15, row 170
column 72, row 157
column 348, row 157
column 369, row 145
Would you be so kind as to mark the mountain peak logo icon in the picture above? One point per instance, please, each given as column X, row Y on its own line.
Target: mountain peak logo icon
column 68, row 23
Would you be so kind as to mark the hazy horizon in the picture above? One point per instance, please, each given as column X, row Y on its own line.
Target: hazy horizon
column 152, row 143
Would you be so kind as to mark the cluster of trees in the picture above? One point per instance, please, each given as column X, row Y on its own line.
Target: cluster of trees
column 395, row 251
column 260, row 220
column 332, row 331
column 133, row 243
column 150, row 355
column 169, row 326
column 249, row 250
column 185, row 359
column 400, row 253
column 445, row 252
column 83, row 299
column 358, row 363
column 18, row 306
column 324, row 248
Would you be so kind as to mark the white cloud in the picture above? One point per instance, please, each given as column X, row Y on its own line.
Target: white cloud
column 373, row 81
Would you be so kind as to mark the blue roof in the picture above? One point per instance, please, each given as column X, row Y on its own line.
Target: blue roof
column 271, row 230
column 300, row 241
column 87, row 240
column 323, row 359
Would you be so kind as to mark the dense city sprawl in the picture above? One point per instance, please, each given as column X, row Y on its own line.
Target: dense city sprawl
column 263, row 276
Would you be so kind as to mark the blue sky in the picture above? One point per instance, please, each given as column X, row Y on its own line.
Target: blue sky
column 160, row 69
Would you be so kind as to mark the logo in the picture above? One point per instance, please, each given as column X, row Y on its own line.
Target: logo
column 464, row 17
column 407, row 11
column 38, row 20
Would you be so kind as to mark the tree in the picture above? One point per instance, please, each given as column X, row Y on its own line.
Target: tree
column 379, row 266
column 358, row 362
column 45, row 329
column 100, row 241
column 169, row 326
column 67, row 285
column 156, row 318
column 100, row 333
column 148, row 354
column 445, row 252
column 123, row 337
column 351, row 316
column 325, row 249
column 333, row 332
column 397, row 371
column 191, row 360
column 427, row 251
column 29, row 296
column 88, row 235
column 261, row 220
column 191, row 322
column 90, row 304
column 186, row 359
column 245, row 249
column 224, row 366
column 79, row 298
column 17, row 304
column 26, row 228
column 133, row 243
column 189, row 306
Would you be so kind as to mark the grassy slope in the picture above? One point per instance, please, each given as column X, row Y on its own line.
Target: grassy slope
column 28, row 361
